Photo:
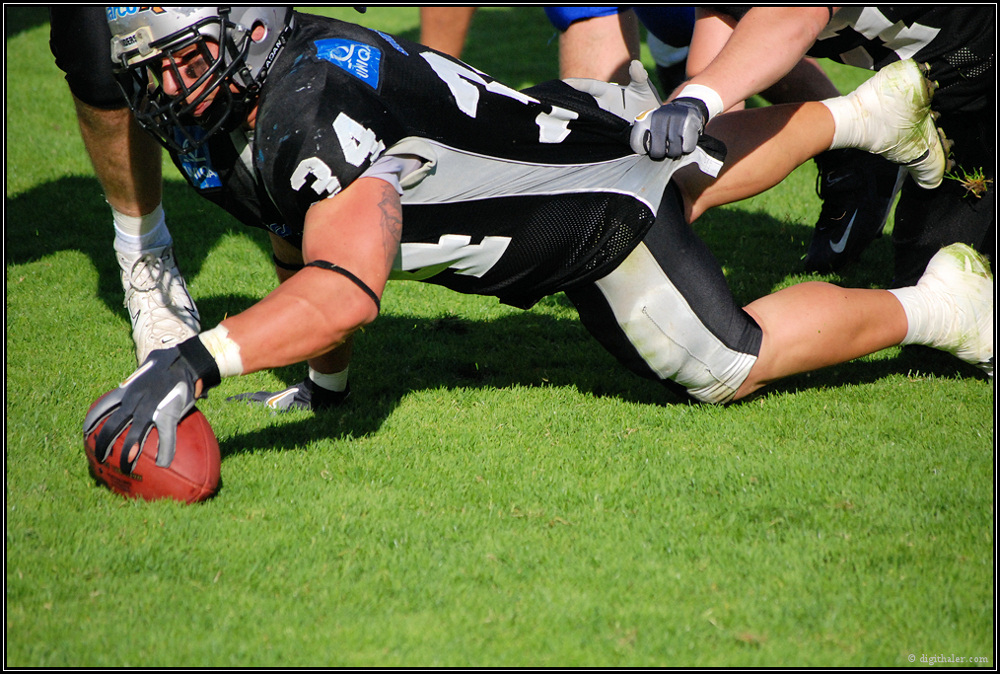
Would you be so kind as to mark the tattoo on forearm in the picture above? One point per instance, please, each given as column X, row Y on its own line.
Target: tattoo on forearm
column 392, row 225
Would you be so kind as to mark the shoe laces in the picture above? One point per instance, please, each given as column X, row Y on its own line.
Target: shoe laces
column 148, row 272
column 155, row 287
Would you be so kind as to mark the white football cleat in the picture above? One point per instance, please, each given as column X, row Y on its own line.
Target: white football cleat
column 159, row 305
column 955, row 300
column 892, row 118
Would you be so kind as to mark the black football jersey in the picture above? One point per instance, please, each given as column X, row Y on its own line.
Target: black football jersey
column 958, row 41
column 519, row 194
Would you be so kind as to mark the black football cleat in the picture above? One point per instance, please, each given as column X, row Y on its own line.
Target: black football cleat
column 858, row 190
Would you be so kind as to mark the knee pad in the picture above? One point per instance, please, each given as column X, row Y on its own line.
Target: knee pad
column 80, row 40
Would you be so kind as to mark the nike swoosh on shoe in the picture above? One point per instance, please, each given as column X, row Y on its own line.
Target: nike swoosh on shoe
column 839, row 246
column 274, row 402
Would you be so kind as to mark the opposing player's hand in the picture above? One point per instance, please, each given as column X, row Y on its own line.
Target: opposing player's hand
column 158, row 394
column 306, row 395
column 626, row 102
column 671, row 130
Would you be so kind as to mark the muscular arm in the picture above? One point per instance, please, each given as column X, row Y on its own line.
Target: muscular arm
column 766, row 45
column 339, row 358
column 315, row 310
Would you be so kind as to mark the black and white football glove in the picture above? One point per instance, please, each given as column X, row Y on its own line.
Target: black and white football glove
column 159, row 394
column 671, row 130
column 306, row 395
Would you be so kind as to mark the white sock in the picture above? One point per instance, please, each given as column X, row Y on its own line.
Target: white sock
column 135, row 235
column 919, row 311
column 848, row 130
column 331, row 382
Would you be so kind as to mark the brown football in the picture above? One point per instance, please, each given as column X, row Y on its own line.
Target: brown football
column 192, row 476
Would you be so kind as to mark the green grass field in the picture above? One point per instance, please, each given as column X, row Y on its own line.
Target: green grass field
column 498, row 491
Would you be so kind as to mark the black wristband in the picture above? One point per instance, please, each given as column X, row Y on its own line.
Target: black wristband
column 201, row 361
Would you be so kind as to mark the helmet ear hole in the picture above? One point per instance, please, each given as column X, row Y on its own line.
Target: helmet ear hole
column 258, row 32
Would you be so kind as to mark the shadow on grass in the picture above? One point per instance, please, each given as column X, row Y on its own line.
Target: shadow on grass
column 534, row 351
column 16, row 20
column 76, row 217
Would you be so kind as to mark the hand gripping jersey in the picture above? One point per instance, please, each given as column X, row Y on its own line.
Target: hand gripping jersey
column 516, row 194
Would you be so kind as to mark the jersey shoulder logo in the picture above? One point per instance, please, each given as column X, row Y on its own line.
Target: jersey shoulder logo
column 359, row 59
column 197, row 165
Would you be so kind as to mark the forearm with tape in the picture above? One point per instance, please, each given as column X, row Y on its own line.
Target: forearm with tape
column 224, row 350
column 226, row 354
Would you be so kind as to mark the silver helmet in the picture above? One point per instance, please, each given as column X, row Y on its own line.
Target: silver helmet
column 144, row 40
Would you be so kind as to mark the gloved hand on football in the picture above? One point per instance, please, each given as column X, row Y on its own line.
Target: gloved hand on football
column 158, row 394
column 671, row 130
column 306, row 395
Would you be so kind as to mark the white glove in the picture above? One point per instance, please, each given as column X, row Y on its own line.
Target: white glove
column 625, row 102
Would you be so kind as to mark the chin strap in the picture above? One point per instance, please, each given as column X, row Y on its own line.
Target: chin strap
column 329, row 266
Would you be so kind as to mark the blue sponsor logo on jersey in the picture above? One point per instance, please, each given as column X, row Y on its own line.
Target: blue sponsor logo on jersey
column 197, row 165
column 359, row 59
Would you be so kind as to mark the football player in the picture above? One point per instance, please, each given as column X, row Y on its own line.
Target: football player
column 127, row 163
column 958, row 43
column 369, row 157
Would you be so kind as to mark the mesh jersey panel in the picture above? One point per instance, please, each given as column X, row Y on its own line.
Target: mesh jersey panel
column 557, row 242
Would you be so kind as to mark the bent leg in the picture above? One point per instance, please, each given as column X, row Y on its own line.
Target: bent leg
column 813, row 325
column 667, row 313
column 127, row 160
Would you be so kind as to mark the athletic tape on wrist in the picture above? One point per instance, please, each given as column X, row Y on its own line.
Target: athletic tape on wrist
column 707, row 95
column 224, row 350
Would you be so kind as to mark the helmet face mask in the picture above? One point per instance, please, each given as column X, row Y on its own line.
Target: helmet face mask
column 215, row 66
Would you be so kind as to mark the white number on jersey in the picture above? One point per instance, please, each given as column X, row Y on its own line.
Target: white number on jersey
column 462, row 81
column 358, row 143
column 356, row 140
column 418, row 261
column 326, row 184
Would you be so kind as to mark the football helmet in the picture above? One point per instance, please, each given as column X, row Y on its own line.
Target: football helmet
column 144, row 40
